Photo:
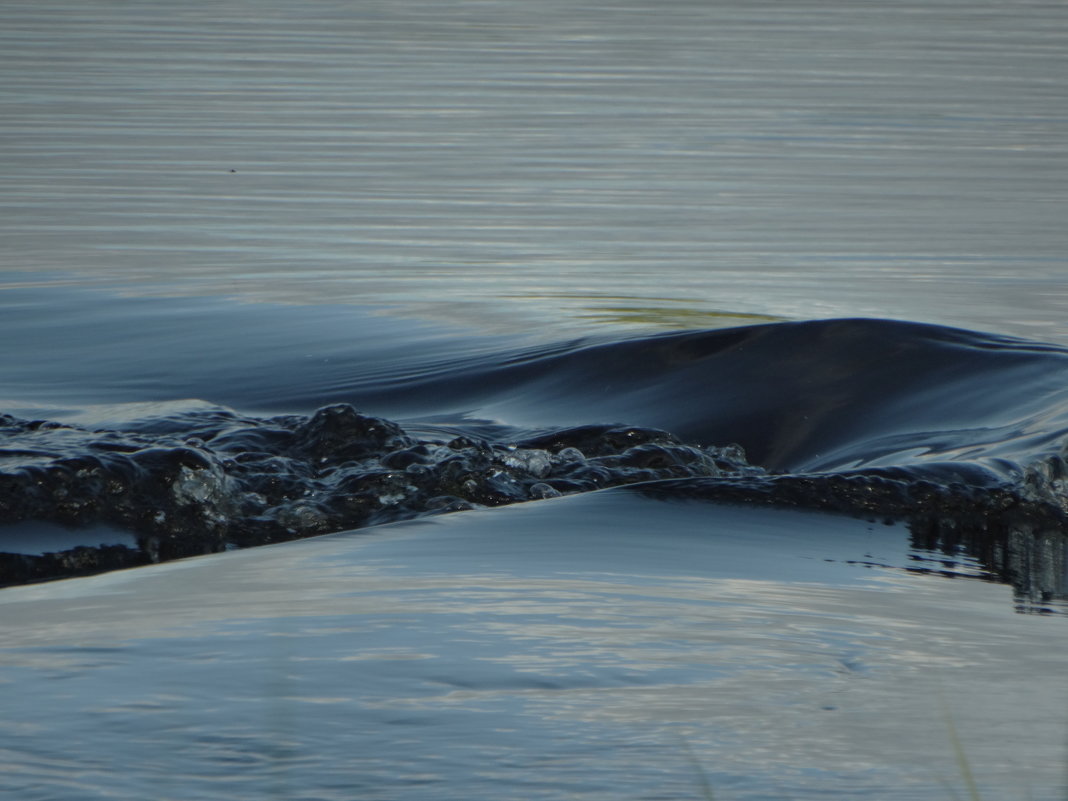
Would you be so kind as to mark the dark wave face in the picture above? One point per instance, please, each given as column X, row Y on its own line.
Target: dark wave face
column 960, row 434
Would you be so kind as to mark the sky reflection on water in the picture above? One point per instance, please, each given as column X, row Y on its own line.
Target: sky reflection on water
column 466, row 656
column 524, row 171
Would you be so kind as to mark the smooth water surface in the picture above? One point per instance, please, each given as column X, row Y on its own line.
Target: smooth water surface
column 503, row 655
column 510, row 164
column 478, row 218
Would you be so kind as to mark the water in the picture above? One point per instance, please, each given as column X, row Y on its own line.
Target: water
column 535, row 164
column 492, row 220
column 516, row 655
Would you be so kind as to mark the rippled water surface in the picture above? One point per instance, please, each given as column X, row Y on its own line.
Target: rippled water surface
column 525, row 235
column 484, row 161
column 511, row 655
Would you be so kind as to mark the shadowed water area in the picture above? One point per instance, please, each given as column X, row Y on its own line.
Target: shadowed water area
column 499, row 400
column 960, row 434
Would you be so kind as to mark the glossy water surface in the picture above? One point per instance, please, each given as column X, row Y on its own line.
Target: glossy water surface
column 477, row 217
column 622, row 653
column 503, row 163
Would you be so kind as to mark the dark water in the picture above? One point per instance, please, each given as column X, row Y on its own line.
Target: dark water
column 684, row 384
column 962, row 435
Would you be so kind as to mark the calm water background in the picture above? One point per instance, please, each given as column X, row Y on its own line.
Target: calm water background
column 221, row 200
column 526, row 164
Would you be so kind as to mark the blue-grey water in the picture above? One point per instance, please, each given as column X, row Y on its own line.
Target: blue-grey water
column 490, row 218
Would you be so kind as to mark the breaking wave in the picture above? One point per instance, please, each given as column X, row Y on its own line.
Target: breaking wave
column 962, row 435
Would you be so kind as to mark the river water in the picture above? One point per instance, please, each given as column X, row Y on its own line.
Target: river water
column 551, row 252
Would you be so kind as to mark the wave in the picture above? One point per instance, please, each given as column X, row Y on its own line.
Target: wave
column 961, row 434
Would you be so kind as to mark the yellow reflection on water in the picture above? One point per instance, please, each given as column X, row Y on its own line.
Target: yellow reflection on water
column 643, row 310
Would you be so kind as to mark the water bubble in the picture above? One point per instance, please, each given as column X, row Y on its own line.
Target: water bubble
column 534, row 461
column 541, row 491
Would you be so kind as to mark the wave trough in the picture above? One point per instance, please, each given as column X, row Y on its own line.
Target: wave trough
column 962, row 435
